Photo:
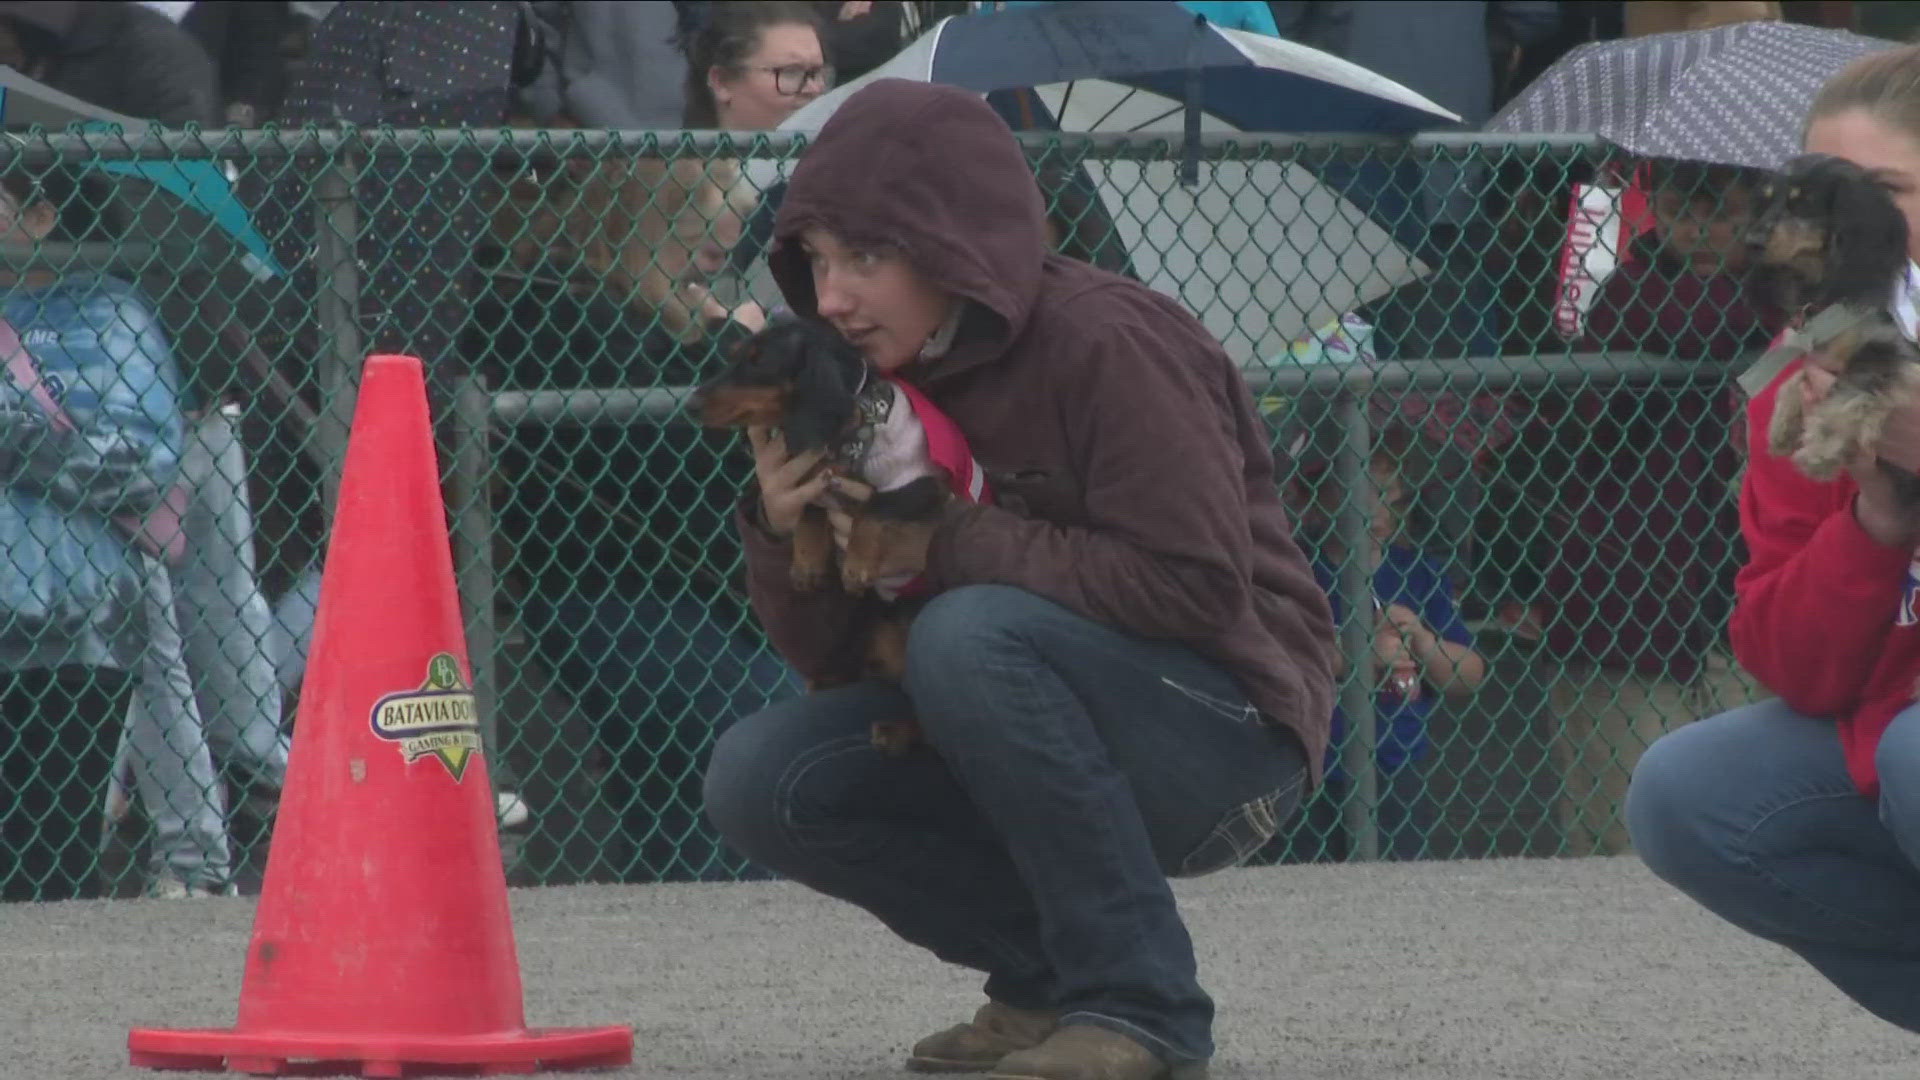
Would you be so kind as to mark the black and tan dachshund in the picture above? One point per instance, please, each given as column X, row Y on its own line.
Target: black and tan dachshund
column 801, row 378
column 1830, row 235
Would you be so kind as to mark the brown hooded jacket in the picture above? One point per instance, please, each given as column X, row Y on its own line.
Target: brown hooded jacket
column 1132, row 478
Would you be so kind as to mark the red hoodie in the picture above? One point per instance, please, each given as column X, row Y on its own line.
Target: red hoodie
column 1825, row 615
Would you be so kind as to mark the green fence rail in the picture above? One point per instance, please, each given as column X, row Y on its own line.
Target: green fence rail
column 1565, row 463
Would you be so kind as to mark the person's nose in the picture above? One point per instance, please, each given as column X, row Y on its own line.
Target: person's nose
column 829, row 298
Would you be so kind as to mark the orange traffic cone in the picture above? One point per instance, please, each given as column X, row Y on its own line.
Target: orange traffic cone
column 382, row 943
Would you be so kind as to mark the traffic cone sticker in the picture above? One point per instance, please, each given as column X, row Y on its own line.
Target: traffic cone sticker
column 436, row 718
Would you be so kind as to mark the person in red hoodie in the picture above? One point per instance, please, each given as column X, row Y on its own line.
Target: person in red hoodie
column 1126, row 671
column 1798, row 819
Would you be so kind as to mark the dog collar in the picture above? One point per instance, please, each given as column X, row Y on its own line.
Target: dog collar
column 1828, row 323
column 872, row 404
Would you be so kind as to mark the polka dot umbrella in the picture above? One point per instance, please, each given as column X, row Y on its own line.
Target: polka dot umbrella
column 1732, row 95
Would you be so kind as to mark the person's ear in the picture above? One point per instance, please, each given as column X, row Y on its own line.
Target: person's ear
column 717, row 82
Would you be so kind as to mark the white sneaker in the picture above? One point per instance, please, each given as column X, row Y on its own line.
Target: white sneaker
column 511, row 809
column 166, row 886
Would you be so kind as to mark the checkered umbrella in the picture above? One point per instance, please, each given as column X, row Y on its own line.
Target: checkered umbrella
column 1732, row 95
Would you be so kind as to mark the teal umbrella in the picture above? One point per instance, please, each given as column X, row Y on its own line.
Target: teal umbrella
column 26, row 103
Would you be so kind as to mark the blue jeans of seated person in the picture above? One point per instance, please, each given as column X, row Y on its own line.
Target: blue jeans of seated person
column 1072, row 769
column 1752, row 814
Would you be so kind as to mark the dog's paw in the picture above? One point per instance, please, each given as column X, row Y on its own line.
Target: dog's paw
column 855, row 578
column 807, row 577
column 894, row 738
column 1832, row 438
column 1788, row 424
column 1783, row 440
column 1819, row 462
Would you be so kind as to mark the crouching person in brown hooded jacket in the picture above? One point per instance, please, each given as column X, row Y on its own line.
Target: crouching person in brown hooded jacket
column 1126, row 674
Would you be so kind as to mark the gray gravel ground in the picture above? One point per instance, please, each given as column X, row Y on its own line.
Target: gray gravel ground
column 1542, row 970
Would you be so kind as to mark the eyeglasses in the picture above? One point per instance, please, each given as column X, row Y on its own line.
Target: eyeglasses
column 793, row 78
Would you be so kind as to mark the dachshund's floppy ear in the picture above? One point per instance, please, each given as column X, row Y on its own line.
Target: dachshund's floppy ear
column 1867, row 253
column 821, row 399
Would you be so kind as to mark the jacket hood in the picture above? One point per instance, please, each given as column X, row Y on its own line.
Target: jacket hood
column 935, row 172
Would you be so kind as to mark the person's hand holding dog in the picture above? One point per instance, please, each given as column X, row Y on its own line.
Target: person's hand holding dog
column 841, row 492
column 904, row 555
column 1883, row 508
column 785, row 489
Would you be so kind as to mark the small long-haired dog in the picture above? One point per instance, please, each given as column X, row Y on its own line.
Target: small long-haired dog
column 1830, row 234
column 801, row 378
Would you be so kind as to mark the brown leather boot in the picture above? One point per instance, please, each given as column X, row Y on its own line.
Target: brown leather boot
column 996, row 1031
column 1084, row 1052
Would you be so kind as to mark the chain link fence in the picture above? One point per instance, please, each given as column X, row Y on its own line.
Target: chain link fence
column 1548, row 460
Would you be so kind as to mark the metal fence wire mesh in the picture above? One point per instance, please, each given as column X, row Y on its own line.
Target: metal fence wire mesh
column 1533, row 453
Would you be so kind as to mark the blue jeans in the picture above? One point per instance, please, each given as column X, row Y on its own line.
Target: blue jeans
column 1072, row 769
column 1752, row 813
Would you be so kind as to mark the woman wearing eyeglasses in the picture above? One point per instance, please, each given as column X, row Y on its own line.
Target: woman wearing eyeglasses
column 751, row 65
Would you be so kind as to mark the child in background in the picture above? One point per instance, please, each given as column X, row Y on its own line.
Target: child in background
column 1422, row 652
column 1685, row 289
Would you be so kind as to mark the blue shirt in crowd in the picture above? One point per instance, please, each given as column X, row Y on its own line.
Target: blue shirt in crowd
column 1411, row 579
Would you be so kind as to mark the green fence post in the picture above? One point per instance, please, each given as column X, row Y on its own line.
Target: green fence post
column 338, row 308
column 473, row 552
column 1356, row 633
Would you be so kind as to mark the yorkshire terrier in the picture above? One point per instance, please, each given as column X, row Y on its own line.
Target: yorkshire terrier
column 1829, row 234
column 802, row 379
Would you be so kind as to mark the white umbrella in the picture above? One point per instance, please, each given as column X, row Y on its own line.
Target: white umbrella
column 1263, row 252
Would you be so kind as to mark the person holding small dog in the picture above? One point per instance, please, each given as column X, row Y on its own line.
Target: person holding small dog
column 1798, row 819
column 1126, row 673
